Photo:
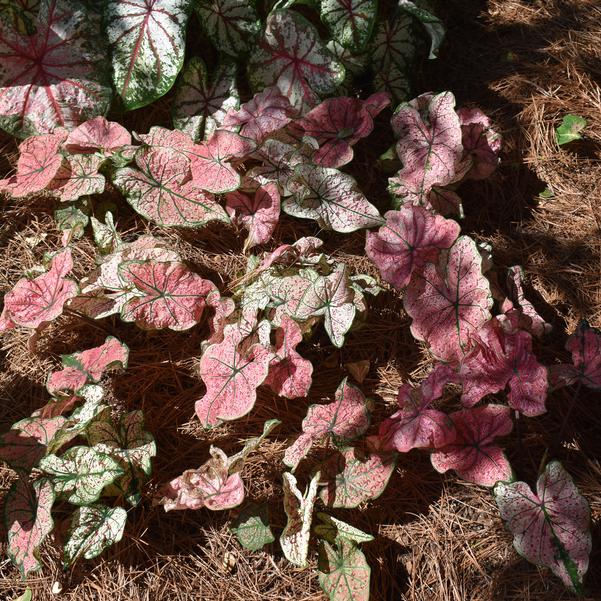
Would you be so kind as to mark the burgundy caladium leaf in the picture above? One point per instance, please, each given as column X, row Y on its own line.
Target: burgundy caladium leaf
column 503, row 356
column 292, row 56
column 165, row 295
column 56, row 77
column 147, row 42
column 337, row 124
column 345, row 419
column 263, row 114
column 473, row 454
column 350, row 21
column 29, row 521
column 259, row 214
column 550, row 527
column 231, row 378
column 330, row 197
column 410, row 237
column 211, row 169
column 33, row 302
column 450, row 301
column 98, row 135
column 289, row 375
column 79, row 177
column 481, row 143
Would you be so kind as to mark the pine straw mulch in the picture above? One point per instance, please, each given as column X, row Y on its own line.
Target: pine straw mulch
column 526, row 63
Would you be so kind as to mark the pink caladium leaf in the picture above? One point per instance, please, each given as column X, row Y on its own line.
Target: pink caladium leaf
column 259, row 214
column 503, row 356
column 449, row 301
column 289, row 375
column 473, row 454
column 164, row 295
column 29, row 521
column 350, row 21
column 231, row 378
column 56, row 77
column 223, row 307
column 410, row 237
column 67, row 379
column 160, row 139
column 79, row 177
column 292, row 56
column 98, row 135
column 211, row 167
column 481, row 143
column 550, row 527
column 33, row 302
column 265, row 113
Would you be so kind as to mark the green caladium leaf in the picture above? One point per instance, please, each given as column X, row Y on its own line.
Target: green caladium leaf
column 570, row 129
column 81, row 473
column 251, row 527
column 332, row 530
column 432, row 24
column 26, row 596
column 92, row 530
column 350, row 21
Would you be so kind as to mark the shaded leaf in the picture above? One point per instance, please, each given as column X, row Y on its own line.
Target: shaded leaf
column 251, row 527
column 350, row 21
column 332, row 530
column 432, row 24
column 344, row 574
column 481, row 143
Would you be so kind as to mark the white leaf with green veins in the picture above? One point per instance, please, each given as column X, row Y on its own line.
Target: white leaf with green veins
column 350, row 21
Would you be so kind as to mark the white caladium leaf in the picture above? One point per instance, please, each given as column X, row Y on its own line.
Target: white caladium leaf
column 231, row 25
column 56, row 77
column 147, row 41
column 92, row 530
column 330, row 197
column 350, row 21
column 432, row 24
column 80, row 474
column 292, row 56
column 201, row 100
column 294, row 539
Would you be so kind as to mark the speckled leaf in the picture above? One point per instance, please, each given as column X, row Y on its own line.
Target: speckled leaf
column 292, row 56
column 95, row 361
column 344, row 574
column 481, row 143
column 432, row 24
column 251, row 527
column 147, row 39
column 28, row 521
column 550, row 527
column 98, row 135
column 332, row 530
column 21, row 15
column 350, row 21
column 92, row 530
column 58, row 76
column 79, row 177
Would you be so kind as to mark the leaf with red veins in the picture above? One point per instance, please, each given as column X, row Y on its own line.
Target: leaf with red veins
column 450, row 301
column 292, row 57
column 165, row 295
column 376, row 103
column 98, row 135
column 550, row 527
column 33, row 302
column 350, row 21
column 57, row 77
column 410, row 237
column 473, row 454
column 265, row 113
column 481, row 143
column 259, row 215
column 79, row 177
column 231, row 378
column 28, row 520
column 210, row 161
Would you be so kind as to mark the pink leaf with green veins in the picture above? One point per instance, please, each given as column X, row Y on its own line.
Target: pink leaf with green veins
column 231, row 378
column 550, row 527
column 65, row 380
column 29, row 521
column 481, row 143
column 79, row 177
column 263, row 114
column 473, row 454
column 409, row 238
column 449, row 302
column 159, row 139
column 56, row 77
column 223, row 307
column 33, row 302
column 165, row 295
column 98, row 134
column 289, row 375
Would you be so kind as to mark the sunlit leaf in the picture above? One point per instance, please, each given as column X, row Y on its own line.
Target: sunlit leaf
column 251, row 527
column 98, row 134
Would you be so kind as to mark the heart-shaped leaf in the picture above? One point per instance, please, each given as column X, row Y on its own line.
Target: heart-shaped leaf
column 350, row 21
column 251, row 527
column 79, row 177
column 98, row 135
column 570, row 129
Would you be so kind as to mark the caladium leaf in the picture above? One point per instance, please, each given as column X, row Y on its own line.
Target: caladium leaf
column 231, row 378
column 259, row 214
column 550, row 527
column 344, row 574
column 330, row 197
column 292, row 56
column 294, row 539
column 165, row 295
column 201, row 101
column 352, row 477
column 473, row 454
column 147, row 41
column 450, row 301
column 33, row 302
column 56, row 77
column 80, row 473
column 410, row 237
column 481, row 143
column 28, row 521
column 432, row 24
column 231, row 25
column 251, row 527
column 98, row 135
column 332, row 530
column 393, row 81
column 393, row 44
column 21, row 14
column 236, row 462
column 350, row 21
column 79, row 177
column 92, row 530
